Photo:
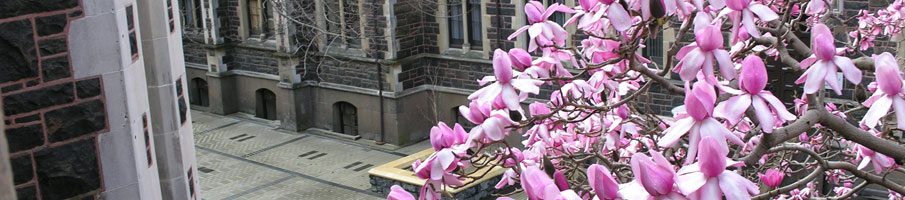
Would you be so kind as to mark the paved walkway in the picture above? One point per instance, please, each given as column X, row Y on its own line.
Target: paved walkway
column 241, row 158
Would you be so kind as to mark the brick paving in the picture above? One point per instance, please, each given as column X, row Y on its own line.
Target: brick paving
column 240, row 158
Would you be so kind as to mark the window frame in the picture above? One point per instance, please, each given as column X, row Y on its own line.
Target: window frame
column 341, row 45
column 467, row 47
column 192, row 15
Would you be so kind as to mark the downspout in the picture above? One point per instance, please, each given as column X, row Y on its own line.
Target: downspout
column 499, row 22
column 380, row 141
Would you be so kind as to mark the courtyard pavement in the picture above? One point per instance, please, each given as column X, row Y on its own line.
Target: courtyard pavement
column 244, row 158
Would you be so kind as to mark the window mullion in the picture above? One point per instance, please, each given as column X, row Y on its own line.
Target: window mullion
column 342, row 23
column 466, row 45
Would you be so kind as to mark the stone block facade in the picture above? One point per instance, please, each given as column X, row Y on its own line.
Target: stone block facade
column 313, row 67
column 75, row 100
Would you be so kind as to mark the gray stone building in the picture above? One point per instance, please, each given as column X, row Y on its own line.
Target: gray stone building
column 384, row 70
column 93, row 101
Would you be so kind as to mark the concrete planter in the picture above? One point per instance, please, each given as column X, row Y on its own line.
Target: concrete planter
column 397, row 173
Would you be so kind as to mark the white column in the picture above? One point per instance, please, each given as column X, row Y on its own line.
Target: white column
column 161, row 46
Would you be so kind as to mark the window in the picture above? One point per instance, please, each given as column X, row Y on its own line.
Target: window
column 465, row 24
column 191, row 15
column 259, row 18
column 345, row 118
column 558, row 17
column 343, row 22
column 653, row 49
column 150, row 155
column 130, row 24
column 170, row 16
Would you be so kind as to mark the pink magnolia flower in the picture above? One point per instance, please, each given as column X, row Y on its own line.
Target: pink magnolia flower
column 741, row 13
column 816, row 7
column 704, row 53
column 443, row 137
column 656, row 178
column 543, row 32
column 709, row 179
column 772, row 178
column 491, row 124
column 520, row 58
column 825, row 63
column 878, row 160
column 589, row 13
column 699, row 122
column 602, row 182
column 504, row 88
column 890, row 94
column 397, row 193
column 752, row 82
column 437, row 169
column 538, row 185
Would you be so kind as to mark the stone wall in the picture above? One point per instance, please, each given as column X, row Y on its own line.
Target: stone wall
column 352, row 73
column 52, row 118
column 194, row 52
column 257, row 58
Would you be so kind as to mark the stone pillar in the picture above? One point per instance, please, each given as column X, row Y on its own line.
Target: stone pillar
column 161, row 45
column 7, row 190
column 290, row 80
column 220, row 88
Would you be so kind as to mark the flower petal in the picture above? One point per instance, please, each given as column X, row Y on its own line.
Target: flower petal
column 764, row 116
column 848, row 68
column 763, row 12
column 736, row 187
column 619, row 17
column 675, row 132
column 876, row 111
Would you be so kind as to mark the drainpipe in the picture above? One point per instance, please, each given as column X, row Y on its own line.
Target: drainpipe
column 499, row 23
column 380, row 141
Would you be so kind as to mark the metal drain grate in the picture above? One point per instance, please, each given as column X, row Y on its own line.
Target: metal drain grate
column 317, row 156
column 306, row 154
column 363, row 167
column 205, row 170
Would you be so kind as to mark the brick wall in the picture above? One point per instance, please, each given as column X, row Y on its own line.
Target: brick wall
column 51, row 119
column 352, row 73
column 253, row 59
column 194, row 53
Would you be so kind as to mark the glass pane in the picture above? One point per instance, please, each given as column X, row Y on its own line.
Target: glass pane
column 456, row 33
column 474, row 24
column 197, row 17
column 333, row 22
column 352, row 23
column 254, row 17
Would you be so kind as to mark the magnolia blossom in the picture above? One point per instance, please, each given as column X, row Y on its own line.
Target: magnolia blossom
column 397, row 193
column 704, row 53
column 878, row 160
column 709, row 179
column 751, row 84
column 699, row 107
column 816, row 7
column 504, row 88
column 543, row 32
column 741, row 13
column 772, row 178
column 590, row 12
column 538, row 185
column 602, row 182
column 824, row 62
column 490, row 124
column 890, row 93
column 443, row 137
column 656, row 179
column 437, row 170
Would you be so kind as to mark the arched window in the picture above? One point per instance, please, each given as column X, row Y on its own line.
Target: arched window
column 345, row 118
column 198, row 92
column 266, row 104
